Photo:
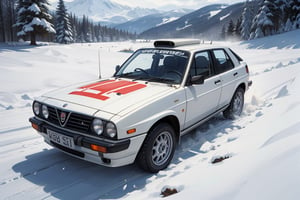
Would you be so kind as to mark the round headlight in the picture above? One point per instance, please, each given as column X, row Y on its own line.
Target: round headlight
column 36, row 108
column 45, row 111
column 98, row 126
column 111, row 130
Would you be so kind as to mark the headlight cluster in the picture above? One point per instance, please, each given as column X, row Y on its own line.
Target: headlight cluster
column 40, row 109
column 101, row 127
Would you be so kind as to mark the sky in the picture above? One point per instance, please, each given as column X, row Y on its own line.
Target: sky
column 167, row 4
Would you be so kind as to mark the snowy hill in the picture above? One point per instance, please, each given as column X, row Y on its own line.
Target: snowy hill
column 107, row 11
column 149, row 21
column 205, row 22
column 261, row 149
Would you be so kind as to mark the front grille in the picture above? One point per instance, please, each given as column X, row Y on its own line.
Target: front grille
column 79, row 122
column 53, row 118
column 75, row 121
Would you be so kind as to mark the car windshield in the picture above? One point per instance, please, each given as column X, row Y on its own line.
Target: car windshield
column 155, row 65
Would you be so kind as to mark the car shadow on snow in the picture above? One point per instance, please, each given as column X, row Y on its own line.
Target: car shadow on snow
column 65, row 177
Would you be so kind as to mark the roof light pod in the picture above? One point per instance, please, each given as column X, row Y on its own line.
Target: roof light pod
column 175, row 42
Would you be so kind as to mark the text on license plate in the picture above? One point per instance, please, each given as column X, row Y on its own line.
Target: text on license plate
column 61, row 139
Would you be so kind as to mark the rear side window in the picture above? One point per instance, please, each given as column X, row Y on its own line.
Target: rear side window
column 222, row 61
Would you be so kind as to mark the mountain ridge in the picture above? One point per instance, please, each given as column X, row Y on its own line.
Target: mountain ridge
column 106, row 11
column 205, row 22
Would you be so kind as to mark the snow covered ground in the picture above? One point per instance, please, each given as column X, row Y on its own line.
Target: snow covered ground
column 261, row 149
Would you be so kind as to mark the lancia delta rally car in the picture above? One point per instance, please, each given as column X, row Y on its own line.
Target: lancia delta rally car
column 139, row 114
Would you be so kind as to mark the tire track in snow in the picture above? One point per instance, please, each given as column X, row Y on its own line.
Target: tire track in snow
column 15, row 129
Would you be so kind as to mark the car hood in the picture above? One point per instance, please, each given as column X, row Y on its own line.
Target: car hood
column 114, row 96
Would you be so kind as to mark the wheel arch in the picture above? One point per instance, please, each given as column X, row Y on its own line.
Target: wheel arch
column 241, row 85
column 173, row 122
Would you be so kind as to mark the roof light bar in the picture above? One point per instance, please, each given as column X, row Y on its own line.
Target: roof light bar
column 175, row 42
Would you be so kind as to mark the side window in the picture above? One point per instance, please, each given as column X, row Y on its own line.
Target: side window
column 223, row 62
column 201, row 65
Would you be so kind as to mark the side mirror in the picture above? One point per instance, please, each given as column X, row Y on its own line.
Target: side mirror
column 197, row 80
column 118, row 67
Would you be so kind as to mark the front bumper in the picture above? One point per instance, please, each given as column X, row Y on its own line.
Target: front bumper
column 110, row 153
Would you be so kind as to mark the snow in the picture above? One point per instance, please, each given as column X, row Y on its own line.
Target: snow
column 225, row 16
column 213, row 13
column 167, row 20
column 258, row 154
column 34, row 8
column 186, row 25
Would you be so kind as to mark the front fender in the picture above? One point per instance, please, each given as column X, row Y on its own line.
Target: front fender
column 143, row 119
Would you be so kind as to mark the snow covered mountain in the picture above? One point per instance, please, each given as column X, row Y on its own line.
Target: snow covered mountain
column 149, row 21
column 107, row 11
column 206, row 22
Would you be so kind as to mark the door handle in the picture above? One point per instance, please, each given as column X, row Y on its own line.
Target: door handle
column 235, row 74
column 217, row 82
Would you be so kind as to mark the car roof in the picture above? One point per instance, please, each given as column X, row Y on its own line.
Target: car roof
column 191, row 45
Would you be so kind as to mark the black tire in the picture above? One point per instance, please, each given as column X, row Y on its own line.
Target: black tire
column 236, row 105
column 158, row 148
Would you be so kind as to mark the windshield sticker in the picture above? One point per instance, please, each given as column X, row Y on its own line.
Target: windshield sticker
column 164, row 51
column 102, row 90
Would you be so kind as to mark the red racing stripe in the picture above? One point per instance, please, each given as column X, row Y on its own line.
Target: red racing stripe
column 130, row 89
column 99, row 90
column 97, row 84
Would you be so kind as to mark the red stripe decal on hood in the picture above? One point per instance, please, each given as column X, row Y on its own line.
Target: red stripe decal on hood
column 101, row 90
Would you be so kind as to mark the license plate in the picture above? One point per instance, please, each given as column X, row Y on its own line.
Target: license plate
column 61, row 139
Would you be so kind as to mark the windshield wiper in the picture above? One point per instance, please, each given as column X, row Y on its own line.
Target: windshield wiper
column 161, row 80
column 125, row 75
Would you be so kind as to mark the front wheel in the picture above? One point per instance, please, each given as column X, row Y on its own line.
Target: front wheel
column 158, row 148
column 236, row 105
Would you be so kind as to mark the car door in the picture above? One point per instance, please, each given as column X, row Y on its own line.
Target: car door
column 202, row 99
column 224, row 67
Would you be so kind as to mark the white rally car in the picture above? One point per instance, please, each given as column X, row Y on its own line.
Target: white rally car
column 139, row 114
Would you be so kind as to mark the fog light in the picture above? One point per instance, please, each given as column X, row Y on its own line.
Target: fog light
column 98, row 148
column 35, row 126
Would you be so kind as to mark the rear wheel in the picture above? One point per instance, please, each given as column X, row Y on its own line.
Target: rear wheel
column 158, row 148
column 236, row 105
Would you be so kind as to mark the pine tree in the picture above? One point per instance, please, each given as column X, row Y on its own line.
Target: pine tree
column 2, row 32
column 223, row 33
column 263, row 21
column 281, row 13
column 295, row 13
column 247, row 18
column 33, row 18
column 254, row 7
column 230, row 29
column 238, row 27
column 63, row 26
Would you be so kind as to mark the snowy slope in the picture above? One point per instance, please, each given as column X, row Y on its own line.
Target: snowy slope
column 262, row 147
column 206, row 22
column 144, row 23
